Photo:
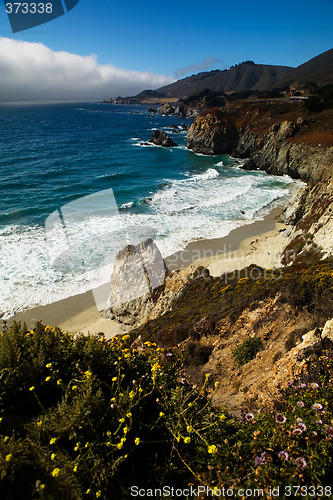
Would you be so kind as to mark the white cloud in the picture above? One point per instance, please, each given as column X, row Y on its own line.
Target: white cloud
column 33, row 71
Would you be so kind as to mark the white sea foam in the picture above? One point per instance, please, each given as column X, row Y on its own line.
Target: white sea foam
column 205, row 205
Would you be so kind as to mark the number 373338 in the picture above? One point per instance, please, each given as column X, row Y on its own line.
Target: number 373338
column 29, row 8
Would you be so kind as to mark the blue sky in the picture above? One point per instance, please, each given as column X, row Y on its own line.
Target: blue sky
column 164, row 37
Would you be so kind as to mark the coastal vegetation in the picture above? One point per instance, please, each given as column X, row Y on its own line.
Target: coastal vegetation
column 83, row 417
column 88, row 418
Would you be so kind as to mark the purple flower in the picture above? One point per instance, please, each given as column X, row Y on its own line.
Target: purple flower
column 301, row 462
column 302, row 386
column 297, row 432
column 283, row 455
column 319, row 421
column 249, row 417
column 314, row 385
column 314, row 434
column 261, row 460
column 169, row 354
column 280, row 419
column 317, row 406
column 302, row 426
column 289, row 383
column 300, row 404
column 299, row 420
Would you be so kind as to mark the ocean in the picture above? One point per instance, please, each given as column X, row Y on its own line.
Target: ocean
column 80, row 181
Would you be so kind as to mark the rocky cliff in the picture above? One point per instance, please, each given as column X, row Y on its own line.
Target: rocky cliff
column 280, row 139
column 277, row 138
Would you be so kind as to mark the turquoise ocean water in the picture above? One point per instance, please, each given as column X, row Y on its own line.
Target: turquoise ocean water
column 52, row 155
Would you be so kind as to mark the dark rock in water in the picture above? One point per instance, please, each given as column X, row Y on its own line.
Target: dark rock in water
column 151, row 110
column 160, row 138
column 184, row 126
column 166, row 109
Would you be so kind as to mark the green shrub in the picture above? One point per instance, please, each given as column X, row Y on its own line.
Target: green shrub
column 247, row 350
column 91, row 418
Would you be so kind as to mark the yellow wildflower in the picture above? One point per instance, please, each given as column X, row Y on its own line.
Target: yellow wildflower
column 132, row 394
column 189, row 428
column 121, row 444
column 74, row 387
column 187, row 439
column 75, row 468
column 121, row 420
column 53, row 440
column 126, row 337
column 53, row 455
column 77, row 446
column 59, row 381
column 129, row 415
column 212, row 449
column 9, row 457
column 55, row 472
column 161, row 414
column 137, row 441
column 114, row 379
column 47, row 379
column 49, row 365
column 88, row 374
column 98, row 493
column 32, row 388
column 125, row 430
column 39, row 423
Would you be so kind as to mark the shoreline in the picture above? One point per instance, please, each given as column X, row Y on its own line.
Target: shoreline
column 256, row 243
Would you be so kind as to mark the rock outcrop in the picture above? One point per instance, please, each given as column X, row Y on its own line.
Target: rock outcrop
column 161, row 138
column 212, row 134
column 138, row 272
column 141, row 286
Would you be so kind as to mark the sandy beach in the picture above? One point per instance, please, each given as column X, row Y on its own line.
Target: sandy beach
column 255, row 243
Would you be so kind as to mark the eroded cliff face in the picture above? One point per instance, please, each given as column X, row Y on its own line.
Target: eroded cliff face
column 211, row 133
column 310, row 216
column 278, row 153
column 278, row 144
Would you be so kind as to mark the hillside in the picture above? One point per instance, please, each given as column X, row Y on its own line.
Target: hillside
column 245, row 76
column 318, row 70
column 248, row 76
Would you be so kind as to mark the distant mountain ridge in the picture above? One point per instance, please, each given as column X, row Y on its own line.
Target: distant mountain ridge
column 245, row 76
column 249, row 76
